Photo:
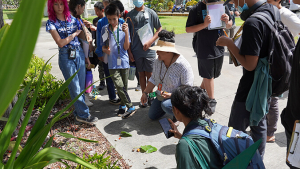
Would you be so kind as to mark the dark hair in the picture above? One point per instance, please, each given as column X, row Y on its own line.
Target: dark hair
column 119, row 5
column 106, row 1
column 73, row 4
column 167, row 36
column 112, row 9
column 99, row 5
column 191, row 101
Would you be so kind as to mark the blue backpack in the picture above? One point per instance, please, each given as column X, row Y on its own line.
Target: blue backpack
column 227, row 141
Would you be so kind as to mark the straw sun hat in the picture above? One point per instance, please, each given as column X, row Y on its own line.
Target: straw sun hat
column 165, row 47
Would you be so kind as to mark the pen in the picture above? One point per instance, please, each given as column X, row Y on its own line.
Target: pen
column 225, row 32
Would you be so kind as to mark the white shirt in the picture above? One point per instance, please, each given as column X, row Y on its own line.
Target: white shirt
column 291, row 20
column 179, row 73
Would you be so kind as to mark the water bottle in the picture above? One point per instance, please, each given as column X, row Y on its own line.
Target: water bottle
column 131, row 73
column 88, row 81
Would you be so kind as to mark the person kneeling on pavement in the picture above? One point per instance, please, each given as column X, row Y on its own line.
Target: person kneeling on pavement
column 170, row 71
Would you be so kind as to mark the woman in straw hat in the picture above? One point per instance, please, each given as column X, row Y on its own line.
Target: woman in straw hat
column 170, row 71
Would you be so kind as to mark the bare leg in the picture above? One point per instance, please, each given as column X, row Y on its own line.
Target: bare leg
column 143, row 81
column 209, row 87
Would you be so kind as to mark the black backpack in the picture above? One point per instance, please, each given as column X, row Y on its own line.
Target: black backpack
column 280, row 51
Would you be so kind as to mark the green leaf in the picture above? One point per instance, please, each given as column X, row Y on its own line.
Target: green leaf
column 71, row 136
column 125, row 134
column 3, row 119
column 41, row 164
column 11, row 146
column 51, row 153
column 3, row 30
column 148, row 149
column 12, row 122
column 16, row 48
column 49, row 143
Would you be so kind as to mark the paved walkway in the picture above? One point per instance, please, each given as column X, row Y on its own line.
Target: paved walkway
column 147, row 132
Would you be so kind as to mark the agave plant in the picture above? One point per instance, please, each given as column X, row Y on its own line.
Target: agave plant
column 17, row 43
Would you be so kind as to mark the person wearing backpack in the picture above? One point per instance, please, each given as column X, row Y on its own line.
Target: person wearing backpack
column 204, row 143
column 190, row 106
column 209, row 56
column 291, row 20
column 253, row 52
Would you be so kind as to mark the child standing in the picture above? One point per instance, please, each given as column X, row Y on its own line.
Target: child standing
column 115, row 42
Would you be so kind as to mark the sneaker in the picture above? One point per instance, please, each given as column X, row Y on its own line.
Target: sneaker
column 115, row 101
column 150, row 100
column 88, row 96
column 143, row 105
column 129, row 112
column 88, row 103
column 101, row 85
column 212, row 105
column 138, row 88
column 121, row 111
column 88, row 120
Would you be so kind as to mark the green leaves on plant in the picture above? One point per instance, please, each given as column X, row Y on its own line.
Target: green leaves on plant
column 148, row 149
column 3, row 30
column 71, row 136
column 3, row 119
column 16, row 48
column 51, row 153
column 125, row 134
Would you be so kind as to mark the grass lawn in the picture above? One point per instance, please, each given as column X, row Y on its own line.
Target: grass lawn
column 238, row 21
column 10, row 13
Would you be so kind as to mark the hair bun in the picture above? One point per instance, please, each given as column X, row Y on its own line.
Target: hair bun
column 167, row 36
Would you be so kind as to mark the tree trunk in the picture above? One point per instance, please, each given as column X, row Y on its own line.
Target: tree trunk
column 1, row 15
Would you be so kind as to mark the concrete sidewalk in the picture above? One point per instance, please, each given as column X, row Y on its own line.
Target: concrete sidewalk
column 147, row 132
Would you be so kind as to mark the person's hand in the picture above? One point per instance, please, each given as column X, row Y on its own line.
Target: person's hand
column 106, row 50
column 165, row 95
column 87, row 23
column 225, row 18
column 236, row 13
column 174, row 130
column 231, row 12
column 131, row 58
column 207, row 20
column 101, row 58
column 77, row 33
column 147, row 46
column 144, row 98
column 87, row 60
column 93, row 28
column 223, row 41
column 125, row 27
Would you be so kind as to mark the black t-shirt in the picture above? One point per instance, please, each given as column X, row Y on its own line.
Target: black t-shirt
column 255, row 42
column 206, row 39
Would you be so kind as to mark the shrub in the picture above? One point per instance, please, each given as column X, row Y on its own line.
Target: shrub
column 99, row 161
column 48, row 86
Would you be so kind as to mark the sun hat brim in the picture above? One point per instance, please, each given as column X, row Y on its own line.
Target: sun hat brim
column 165, row 47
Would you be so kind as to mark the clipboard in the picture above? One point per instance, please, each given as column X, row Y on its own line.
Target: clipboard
column 237, row 39
column 216, row 10
column 293, row 155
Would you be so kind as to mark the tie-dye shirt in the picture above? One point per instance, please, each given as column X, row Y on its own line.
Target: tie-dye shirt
column 60, row 27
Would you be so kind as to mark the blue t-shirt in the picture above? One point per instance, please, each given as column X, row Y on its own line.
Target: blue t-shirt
column 112, row 58
column 102, row 22
column 60, row 27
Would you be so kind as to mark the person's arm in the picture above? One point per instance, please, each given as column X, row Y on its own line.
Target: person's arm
column 226, row 17
column 157, row 26
column 126, row 42
column 150, row 86
column 199, row 27
column 296, row 2
column 63, row 42
column 131, row 58
column 249, row 62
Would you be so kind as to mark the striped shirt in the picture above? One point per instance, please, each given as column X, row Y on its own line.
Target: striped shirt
column 179, row 73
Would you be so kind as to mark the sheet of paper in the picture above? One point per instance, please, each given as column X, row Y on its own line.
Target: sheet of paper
column 145, row 33
column 104, row 36
column 294, row 152
column 215, row 11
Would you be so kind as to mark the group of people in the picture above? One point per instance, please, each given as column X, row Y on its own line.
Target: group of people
column 117, row 46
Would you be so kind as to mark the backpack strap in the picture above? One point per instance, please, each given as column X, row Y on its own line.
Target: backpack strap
column 197, row 153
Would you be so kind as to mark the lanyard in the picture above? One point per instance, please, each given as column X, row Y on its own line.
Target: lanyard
column 116, row 39
column 167, row 68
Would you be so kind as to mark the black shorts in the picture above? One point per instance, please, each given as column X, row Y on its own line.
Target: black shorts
column 144, row 64
column 210, row 68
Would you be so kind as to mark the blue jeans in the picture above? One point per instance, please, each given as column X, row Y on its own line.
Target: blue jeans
column 68, row 67
column 109, row 83
column 160, row 108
